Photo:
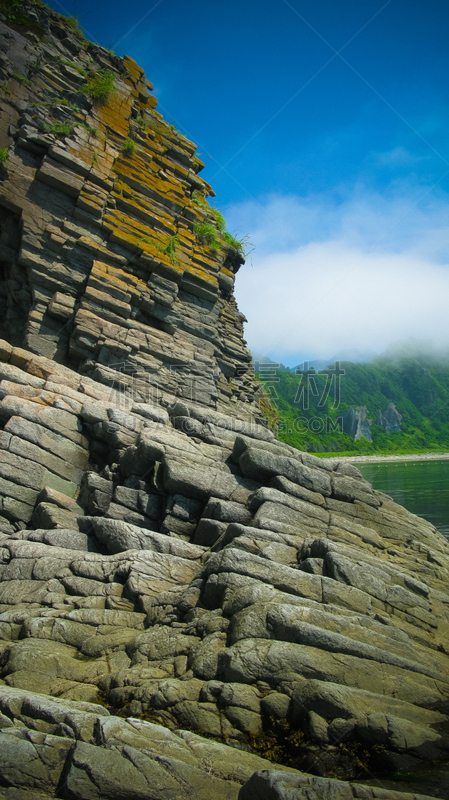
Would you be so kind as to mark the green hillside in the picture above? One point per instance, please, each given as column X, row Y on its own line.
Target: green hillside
column 418, row 385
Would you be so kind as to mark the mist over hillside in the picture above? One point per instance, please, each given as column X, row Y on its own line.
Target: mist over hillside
column 312, row 399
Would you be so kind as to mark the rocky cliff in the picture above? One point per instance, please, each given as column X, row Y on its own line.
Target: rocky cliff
column 390, row 420
column 356, row 424
column 168, row 571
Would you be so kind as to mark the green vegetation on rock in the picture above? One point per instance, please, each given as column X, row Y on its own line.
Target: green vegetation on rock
column 17, row 17
column 59, row 128
column 129, row 147
column 100, row 86
column 207, row 234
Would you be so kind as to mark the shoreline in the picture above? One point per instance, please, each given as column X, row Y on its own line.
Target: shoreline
column 373, row 459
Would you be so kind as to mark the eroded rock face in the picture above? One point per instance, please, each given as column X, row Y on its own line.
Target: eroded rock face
column 214, row 581
column 356, row 424
column 105, row 261
column 390, row 420
column 163, row 557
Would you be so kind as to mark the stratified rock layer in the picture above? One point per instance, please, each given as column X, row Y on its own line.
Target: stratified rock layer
column 215, row 580
column 100, row 264
column 162, row 556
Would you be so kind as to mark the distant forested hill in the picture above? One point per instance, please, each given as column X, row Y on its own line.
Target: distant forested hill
column 309, row 405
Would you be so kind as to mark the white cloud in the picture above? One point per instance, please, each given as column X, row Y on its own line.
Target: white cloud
column 359, row 273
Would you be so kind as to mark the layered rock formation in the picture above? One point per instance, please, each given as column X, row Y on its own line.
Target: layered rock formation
column 356, row 424
column 390, row 420
column 168, row 570
column 100, row 264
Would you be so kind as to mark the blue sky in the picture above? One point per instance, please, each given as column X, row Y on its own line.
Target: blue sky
column 324, row 130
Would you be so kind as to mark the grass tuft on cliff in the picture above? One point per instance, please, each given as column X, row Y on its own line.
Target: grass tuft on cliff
column 100, row 86
column 220, row 222
column 129, row 147
column 207, row 234
column 18, row 18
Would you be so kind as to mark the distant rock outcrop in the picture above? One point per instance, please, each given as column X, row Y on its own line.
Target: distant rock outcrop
column 390, row 420
column 356, row 424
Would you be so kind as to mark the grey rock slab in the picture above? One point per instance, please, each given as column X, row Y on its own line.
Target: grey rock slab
column 236, row 694
column 332, row 700
column 49, row 515
column 163, row 642
column 203, row 717
column 249, row 722
column 15, row 702
column 262, row 465
column 107, row 644
column 34, row 765
column 116, row 534
column 59, row 178
column 418, row 740
column 22, row 591
column 233, row 592
column 20, row 470
column 36, row 549
column 204, row 655
column 184, row 508
column 98, row 617
column 260, row 535
column 65, row 631
column 122, row 513
column 270, row 495
column 173, row 691
column 331, row 641
column 55, row 419
column 318, row 728
column 236, row 765
column 342, row 569
column 13, row 490
column 68, row 538
column 275, row 705
column 269, row 784
column 9, row 372
column 57, row 444
column 86, row 587
column 280, row 553
column 32, row 452
column 348, row 489
column 226, row 511
column 348, row 530
column 152, row 573
column 255, row 660
column 280, row 577
column 209, row 531
column 345, row 468
column 274, row 447
column 57, row 498
column 284, row 519
column 202, row 483
column 137, row 733
column 284, row 485
column 153, row 413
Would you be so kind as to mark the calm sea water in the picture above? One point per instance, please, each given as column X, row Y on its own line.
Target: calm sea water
column 422, row 487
